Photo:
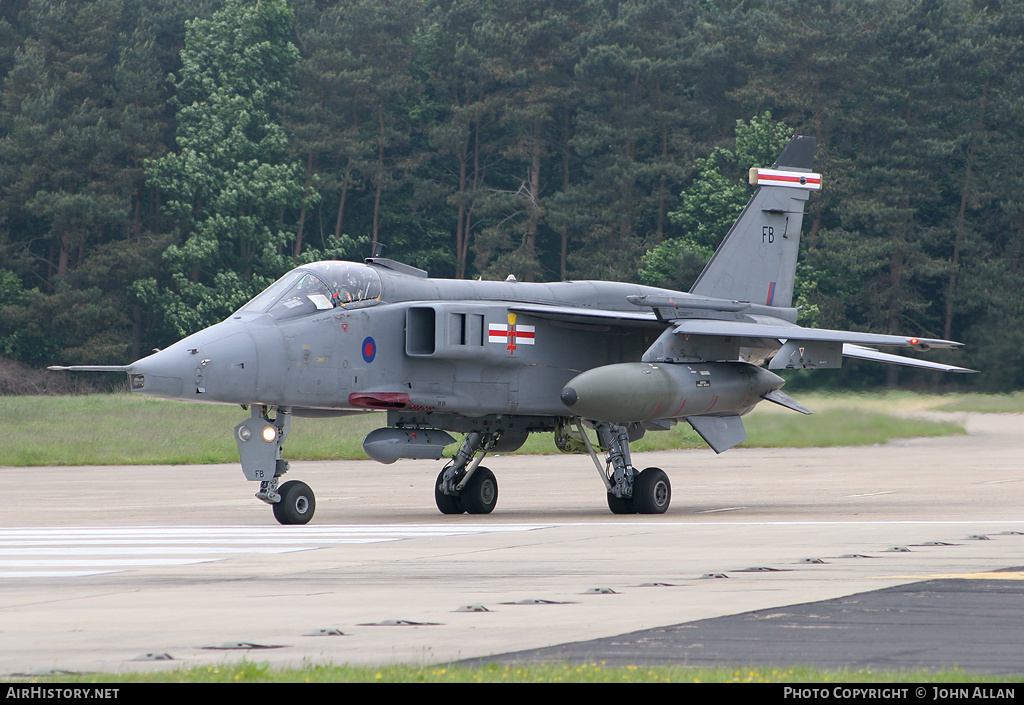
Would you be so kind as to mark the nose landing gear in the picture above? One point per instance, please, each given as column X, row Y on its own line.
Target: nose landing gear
column 260, row 439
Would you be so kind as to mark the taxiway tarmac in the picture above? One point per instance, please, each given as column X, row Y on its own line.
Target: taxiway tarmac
column 122, row 568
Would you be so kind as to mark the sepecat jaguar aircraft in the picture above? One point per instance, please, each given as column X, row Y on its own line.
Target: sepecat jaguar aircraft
column 498, row 360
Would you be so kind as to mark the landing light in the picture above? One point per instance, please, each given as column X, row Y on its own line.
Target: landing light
column 269, row 434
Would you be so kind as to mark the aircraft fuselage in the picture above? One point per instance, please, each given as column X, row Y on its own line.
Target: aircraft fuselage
column 427, row 345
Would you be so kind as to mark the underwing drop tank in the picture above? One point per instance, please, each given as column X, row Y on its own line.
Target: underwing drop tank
column 386, row 445
column 647, row 391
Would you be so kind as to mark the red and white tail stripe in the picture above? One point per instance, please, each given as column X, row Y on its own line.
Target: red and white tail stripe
column 789, row 179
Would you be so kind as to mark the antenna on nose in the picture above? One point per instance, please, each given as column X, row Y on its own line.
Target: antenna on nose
column 377, row 248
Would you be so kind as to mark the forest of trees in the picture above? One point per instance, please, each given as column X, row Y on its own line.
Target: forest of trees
column 161, row 161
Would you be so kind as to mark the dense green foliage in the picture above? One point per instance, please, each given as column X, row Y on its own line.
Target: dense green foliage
column 229, row 178
column 160, row 161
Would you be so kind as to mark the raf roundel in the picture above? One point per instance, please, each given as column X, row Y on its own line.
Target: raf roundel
column 369, row 350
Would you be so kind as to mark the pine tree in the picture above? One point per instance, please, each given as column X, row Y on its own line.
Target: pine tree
column 229, row 182
column 711, row 203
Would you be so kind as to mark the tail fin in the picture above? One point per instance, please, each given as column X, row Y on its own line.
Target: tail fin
column 757, row 260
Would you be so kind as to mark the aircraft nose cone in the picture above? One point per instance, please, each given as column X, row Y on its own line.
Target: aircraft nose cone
column 215, row 364
column 569, row 396
column 159, row 375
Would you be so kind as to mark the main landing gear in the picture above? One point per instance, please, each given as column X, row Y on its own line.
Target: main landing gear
column 260, row 439
column 629, row 491
column 464, row 485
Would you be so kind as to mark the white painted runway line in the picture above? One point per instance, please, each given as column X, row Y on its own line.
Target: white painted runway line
column 71, row 552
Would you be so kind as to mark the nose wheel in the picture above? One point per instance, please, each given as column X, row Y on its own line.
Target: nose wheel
column 297, row 503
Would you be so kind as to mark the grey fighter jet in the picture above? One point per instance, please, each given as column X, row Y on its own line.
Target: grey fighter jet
column 498, row 360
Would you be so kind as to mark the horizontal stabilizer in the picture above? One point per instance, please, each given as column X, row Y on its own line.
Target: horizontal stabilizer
column 783, row 399
column 862, row 353
column 719, row 432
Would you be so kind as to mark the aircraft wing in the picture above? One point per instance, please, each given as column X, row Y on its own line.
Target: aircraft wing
column 593, row 316
column 853, row 343
column 863, row 353
column 779, row 330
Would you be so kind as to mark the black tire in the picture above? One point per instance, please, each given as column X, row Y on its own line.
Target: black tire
column 652, row 492
column 480, row 494
column 621, row 505
column 446, row 503
column 297, row 503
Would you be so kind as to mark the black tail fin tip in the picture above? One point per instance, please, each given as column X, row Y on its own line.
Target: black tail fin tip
column 798, row 154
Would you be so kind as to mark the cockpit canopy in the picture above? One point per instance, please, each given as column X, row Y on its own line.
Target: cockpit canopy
column 318, row 287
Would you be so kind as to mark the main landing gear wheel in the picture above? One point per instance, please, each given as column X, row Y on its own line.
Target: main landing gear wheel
column 652, row 492
column 446, row 503
column 481, row 492
column 479, row 496
column 297, row 503
column 620, row 505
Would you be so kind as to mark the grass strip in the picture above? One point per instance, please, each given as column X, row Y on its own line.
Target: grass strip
column 250, row 672
column 125, row 429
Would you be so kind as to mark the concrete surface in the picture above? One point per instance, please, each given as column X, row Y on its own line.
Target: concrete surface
column 104, row 568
